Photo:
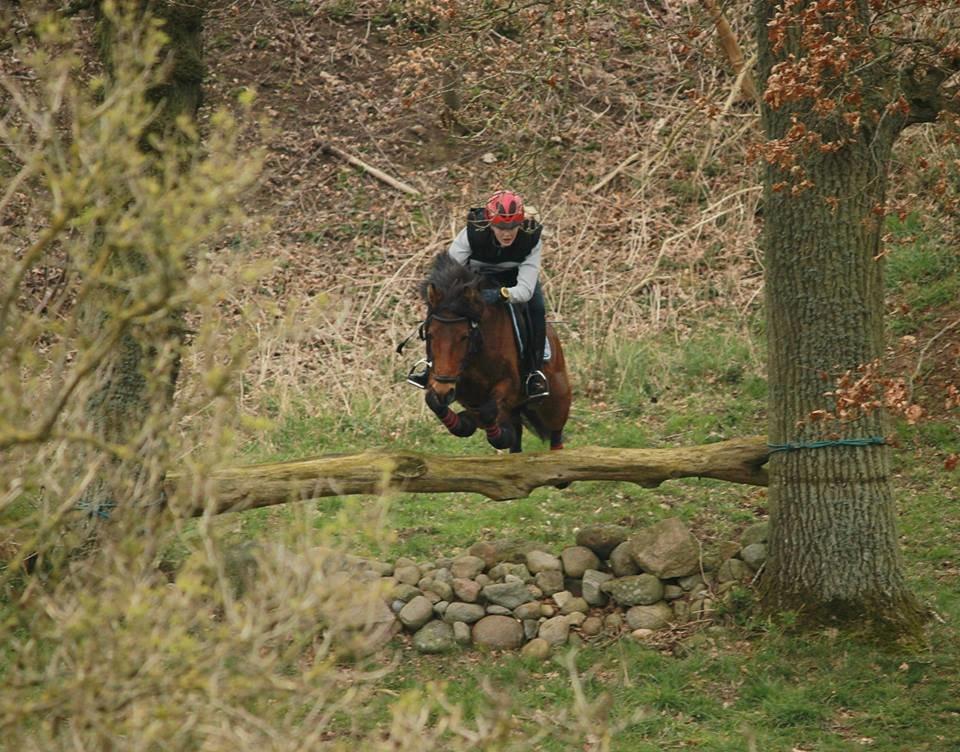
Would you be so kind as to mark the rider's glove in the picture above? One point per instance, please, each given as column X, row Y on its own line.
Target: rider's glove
column 492, row 296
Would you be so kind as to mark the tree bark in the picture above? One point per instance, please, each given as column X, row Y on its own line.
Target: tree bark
column 136, row 382
column 498, row 477
column 833, row 551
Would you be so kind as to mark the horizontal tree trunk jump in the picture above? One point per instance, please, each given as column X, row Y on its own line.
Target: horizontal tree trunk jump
column 499, row 477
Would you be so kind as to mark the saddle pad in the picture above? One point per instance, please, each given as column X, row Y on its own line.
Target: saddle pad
column 520, row 340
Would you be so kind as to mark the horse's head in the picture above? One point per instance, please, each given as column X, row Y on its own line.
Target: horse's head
column 452, row 326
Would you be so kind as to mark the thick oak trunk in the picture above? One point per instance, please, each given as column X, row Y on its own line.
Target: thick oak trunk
column 834, row 556
column 498, row 477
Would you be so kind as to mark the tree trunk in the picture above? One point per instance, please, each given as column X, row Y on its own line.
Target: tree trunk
column 498, row 477
column 834, row 555
column 135, row 385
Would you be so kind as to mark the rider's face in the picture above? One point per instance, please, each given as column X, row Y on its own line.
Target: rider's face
column 505, row 237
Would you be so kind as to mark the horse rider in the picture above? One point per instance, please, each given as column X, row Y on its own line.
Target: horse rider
column 500, row 242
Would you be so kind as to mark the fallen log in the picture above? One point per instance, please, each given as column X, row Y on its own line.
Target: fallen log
column 498, row 477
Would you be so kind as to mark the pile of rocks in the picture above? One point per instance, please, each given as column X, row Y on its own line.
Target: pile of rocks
column 514, row 594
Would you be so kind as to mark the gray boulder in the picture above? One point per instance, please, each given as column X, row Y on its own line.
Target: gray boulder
column 602, row 539
column 416, row 613
column 592, row 587
column 636, row 590
column 666, row 549
column 621, row 561
column 434, row 637
column 655, row 616
column 465, row 612
column 507, row 594
column 501, row 632
column 577, row 560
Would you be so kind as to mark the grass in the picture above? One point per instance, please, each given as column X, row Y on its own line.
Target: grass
column 745, row 685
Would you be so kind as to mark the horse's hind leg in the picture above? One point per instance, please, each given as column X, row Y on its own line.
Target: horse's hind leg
column 518, row 436
column 556, row 440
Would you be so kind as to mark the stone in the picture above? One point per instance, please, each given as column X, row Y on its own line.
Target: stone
column 575, row 605
column 621, row 561
column 408, row 575
column 666, row 549
column 578, row 559
column 642, row 634
column 502, row 610
column 416, row 613
column 635, row 590
column 504, row 549
column 754, row 555
column 431, row 596
column 718, row 553
column 592, row 626
column 461, row 633
column 702, row 609
column 693, row 583
column 602, row 539
column 442, row 574
column 519, row 571
column 482, row 580
column 613, row 622
column 550, row 581
column 403, row 592
column 542, row 561
column 434, row 637
column 546, row 610
column 672, row 592
column 562, row 597
column 681, row 611
column 501, row 632
column 442, row 589
column 364, row 626
column 440, row 607
column 404, row 561
column 529, row 610
column 555, row 630
column 734, row 570
column 507, row 594
column 530, row 628
column 592, row 587
column 655, row 616
column 467, row 567
column 465, row 612
column 758, row 532
column 466, row 590
column 576, row 618
column 537, row 649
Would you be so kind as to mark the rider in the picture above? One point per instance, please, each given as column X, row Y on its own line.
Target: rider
column 502, row 243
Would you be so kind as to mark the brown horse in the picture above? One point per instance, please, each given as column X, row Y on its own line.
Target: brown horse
column 472, row 358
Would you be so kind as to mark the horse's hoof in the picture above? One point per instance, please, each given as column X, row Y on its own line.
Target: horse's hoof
column 563, row 485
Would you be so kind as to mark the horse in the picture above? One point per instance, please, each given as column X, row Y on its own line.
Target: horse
column 472, row 357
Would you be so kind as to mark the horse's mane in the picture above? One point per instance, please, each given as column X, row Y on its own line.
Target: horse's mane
column 451, row 279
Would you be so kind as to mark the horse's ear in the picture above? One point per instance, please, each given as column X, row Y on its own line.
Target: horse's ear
column 433, row 297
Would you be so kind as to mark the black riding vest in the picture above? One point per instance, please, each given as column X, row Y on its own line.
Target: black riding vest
column 484, row 246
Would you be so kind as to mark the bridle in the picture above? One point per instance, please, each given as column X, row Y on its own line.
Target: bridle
column 474, row 342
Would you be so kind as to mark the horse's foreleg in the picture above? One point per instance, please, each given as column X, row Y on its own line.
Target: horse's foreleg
column 459, row 424
column 500, row 435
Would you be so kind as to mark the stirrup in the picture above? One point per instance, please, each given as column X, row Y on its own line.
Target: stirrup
column 420, row 379
column 537, row 385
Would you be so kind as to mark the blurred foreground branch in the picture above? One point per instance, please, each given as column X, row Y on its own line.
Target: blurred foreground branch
column 498, row 477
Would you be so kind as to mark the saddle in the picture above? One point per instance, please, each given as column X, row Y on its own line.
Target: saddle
column 523, row 333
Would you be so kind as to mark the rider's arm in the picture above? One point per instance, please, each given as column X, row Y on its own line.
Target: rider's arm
column 460, row 248
column 527, row 275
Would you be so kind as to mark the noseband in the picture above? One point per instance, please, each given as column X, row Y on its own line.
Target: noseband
column 473, row 343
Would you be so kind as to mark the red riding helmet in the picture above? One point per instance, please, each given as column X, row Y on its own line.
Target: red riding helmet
column 504, row 209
